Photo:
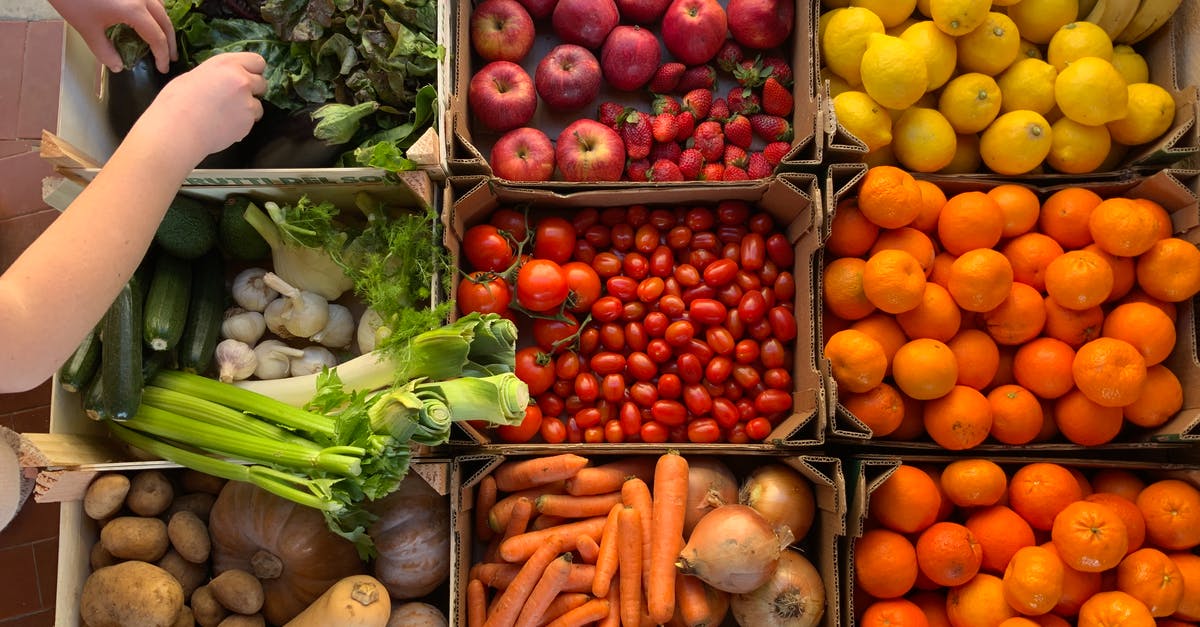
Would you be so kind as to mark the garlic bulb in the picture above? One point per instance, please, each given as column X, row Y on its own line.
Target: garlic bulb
column 368, row 325
column 243, row 325
column 273, row 318
column 235, row 360
column 304, row 313
column 274, row 359
column 339, row 330
column 250, row 291
column 313, row 360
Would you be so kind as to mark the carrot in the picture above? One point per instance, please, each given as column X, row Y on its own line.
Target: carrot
column 518, row 548
column 543, row 594
column 509, row 602
column 606, row 561
column 476, row 603
column 499, row 575
column 666, row 539
column 546, row 521
column 563, row 603
column 502, row 510
column 485, row 498
column 589, row 612
column 629, row 556
column 518, row 523
column 587, row 548
column 635, row 493
column 528, row 473
column 614, row 606
column 569, row 506
column 609, row 477
column 691, row 600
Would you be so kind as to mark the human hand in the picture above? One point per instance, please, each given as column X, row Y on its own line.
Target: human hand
column 148, row 19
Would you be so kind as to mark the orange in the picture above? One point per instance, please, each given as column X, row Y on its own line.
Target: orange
column 1135, row 525
column 1144, row 326
column 969, row 220
column 1016, row 414
column 1001, row 533
column 1029, row 254
column 937, row 317
column 889, row 197
column 1019, row 207
column 831, row 324
column 857, row 360
column 948, row 554
column 880, row 408
column 925, row 369
column 932, row 201
column 1050, row 620
column 933, row 604
column 1078, row 586
column 1049, row 429
column 978, row 603
column 885, row 564
column 1043, row 366
column 1076, row 327
column 940, row 273
column 1019, row 318
column 1151, row 577
column 842, row 287
column 1170, row 270
column 1160, row 399
column 1171, row 509
column 1079, row 279
column 1123, row 227
column 1040, row 490
column 1138, row 295
column 851, row 234
column 1033, row 580
column 1124, row 272
column 980, row 279
column 893, row 613
column 977, row 355
column 907, row 501
column 959, row 420
column 1065, row 216
column 1085, row 423
column 1123, row 483
column 1085, row 486
column 974, row 482
column 1114, row 609
column 1109, row 371
column 1189, row 565
column 885, row 330
column 1004, row 371
column 909, row 240
column 1161, row 217
column 1018, row 621
column 912, row 426
column 1089, row 536
column 893, row 281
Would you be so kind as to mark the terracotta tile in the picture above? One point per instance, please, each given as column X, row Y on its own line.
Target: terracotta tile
column 45, row 555
column 37, row 397
column 17, row 233
column 12, row 51
column 42, row 71
column 35, row 420
column 10, row 147
column 21, row 184
column 35, row 522
column 18, row 590
column 44, row 618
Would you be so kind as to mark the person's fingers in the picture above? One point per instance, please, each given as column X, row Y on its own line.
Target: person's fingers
column 252, row 61
column 104, row 50
column 258, row 84
column 258, row 109
column 159, row 13
column 152, row 33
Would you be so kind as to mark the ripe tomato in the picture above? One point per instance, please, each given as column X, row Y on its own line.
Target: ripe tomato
column 720, row 272
column 553, row 239
column 780, row 251
column 669, row 412
column 524, row 432
column 783, row 323
column 758, row 428
column 483, row 292
column 772, row 401
column 547, row 333
column 703, row 431
column 607, row 309
column 613, row 432
column 707, row 311
column 584, row 284
column 536, row 369
column 487, row 249
column 541, row 285
column 654, row 432
column 553, row 431
column 511, row 221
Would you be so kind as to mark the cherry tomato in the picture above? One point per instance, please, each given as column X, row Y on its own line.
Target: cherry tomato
column 707, row 311
column 687, row 275
column 637, row 215
column 584, row 218
column 703, row 431
column 747, row 281
column 511, row 221
column 639, row 366
column 630, row 417
column 553, row 431
column 645, row 239
column 669, row 386
column 780, row 251
column 587, row 417
column 598, row 235
column 635, row 266
column 705, row 240
column 760, row 330
column 701, row 258
column 758, row 429
column 551, row 405
column 720, row 272
column 662, row 219
column 737, row 434
column 700, row 349
column 733, row 212
column 606, row 265
column 541, row 285
column 524, row 432
column 746, row 352
column 622, row 237
column 752, row 307
column 483, row 292
column 735, row 325
column 612, row 336
column 783, row 324
column 606, row 363
column 656, row 322
column 553, row 239
column 535, row 368
column 669, row 413
column 635, row 336
column 606, row 309
column 631, row 311
column 679, row 332
column 612, row 388
column 584, row 252
column 730, row 250
column 672, row 306
column 778, row 379
column 746, row 376
column 574, row 432
column 586, row 387
column 659, row 351
column 700, row 291
column 662, row 262
column 551, row 335
column 566, row 366
column 768, row 273
column 643, row 393
column 699, row 219
column 725, row 412
column 613, row 215
column 487, row 249
column 654, row 432
column 679, row 237
column 649, row 290
column 772, row 401
column 720, row 340
column 761, row 223
column 589, row 340
column 614, row 433
column 718, row 370
column 697, row 399
column 784, row 287
column 730, row 295
column 773, row 354
column 584, row 284
column 690, row 369
column 622, row 287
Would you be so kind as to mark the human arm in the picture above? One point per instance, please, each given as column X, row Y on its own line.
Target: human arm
column 62, row 284
column 148, row 18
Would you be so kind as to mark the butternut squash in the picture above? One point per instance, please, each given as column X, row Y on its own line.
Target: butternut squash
column 354, row 601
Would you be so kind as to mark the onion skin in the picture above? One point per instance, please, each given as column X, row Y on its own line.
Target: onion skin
column 710, row 485
column 782, row 495
column 733, row 548
column 793, row 597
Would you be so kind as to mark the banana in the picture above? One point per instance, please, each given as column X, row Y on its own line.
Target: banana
column 1113, row 15
column 1085, row 7
column 1150, row 16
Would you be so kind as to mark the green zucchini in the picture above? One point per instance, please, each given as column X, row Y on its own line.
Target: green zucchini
column 206, row 309
column 77, row 371
column 121, row 356
column 165, row 312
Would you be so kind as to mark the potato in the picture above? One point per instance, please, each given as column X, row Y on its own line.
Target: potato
column 189, row 575
column 206, row 609
column 105, row 496
column 198, row 503
column 130, row 593
column 416, row 614
column 196, row 481
column 189, row 536
column 238, row 591
column 135, row 538
column 100, row 557
column 150, row 493
column 185, row 618
column 243, row 620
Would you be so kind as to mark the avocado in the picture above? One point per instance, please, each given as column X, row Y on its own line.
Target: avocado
column 238, row 239
column 188, row 229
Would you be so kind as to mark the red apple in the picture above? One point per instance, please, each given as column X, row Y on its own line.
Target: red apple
column 590, row 151
column 568, row 78
column 761, row 23
column 501, row 30
column 523, row 154
column 585, row 22
column 694, row 30
column 630, row 57
column 501, row 96
column 642, row 11
column 539, row 8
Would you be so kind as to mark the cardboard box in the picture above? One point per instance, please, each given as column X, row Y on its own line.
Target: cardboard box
column 470, row 145
column 1173, row 189
column 820, row 546
column 792, row 199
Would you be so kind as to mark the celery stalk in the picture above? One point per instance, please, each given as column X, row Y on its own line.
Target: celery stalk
column 244, row 400
column 215, row 413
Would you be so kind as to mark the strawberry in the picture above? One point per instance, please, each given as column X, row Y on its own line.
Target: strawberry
column 735, row 156
column 750, row 73
column 709, row 140
column 771, row 127
column 719, row 110
column 637, row 169
column 776, row 151
column 730, row 56
column 759, row 167
column 698, row 77
column 698, row 101
column 687, row 125
column 691, row 162
column 664, row 170
column 712, row 172
column 779, row 69
column 742, row 100
column 738, row 131
column 634, row 127
column 609, row 111
column 669, row 151
column 665, row 104
column 664, row 127
column 666, row 78
column 734, row 173
column 776, row 99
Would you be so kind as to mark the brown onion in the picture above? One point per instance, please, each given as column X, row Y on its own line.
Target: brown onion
column 782, row 495
column 793, row 597
column 710, row 485
column 733, row 548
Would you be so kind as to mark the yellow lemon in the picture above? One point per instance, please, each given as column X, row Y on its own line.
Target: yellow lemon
column 893, row 71
column 1016, row 143
column 1027, row 84
column 864, row 118
column 897, row 30
column 922, row 140
column 1077, row 149
column 958, row 17
column 1131, row 65
column 1077, row 40
column 845, row 40
column 1038, row 20
column 923, row 8
column 1085, row 8
column 890, row 12
column 835, row 4
column 991, row 47
column 1091, row 91
column 970, row 102
column 883, row 156
column 837, row 84
column 966, row 156
column 939, row 50
column 1029, row 50
column 823, row 21
column 1115, row 159
column 1150, row 113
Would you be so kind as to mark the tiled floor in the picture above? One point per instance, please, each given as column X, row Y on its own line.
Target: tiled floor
column 30, row 58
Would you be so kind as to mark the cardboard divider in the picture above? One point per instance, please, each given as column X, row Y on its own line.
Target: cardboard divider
column 820, row 545
column 1173, row 189
column 793, row 199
